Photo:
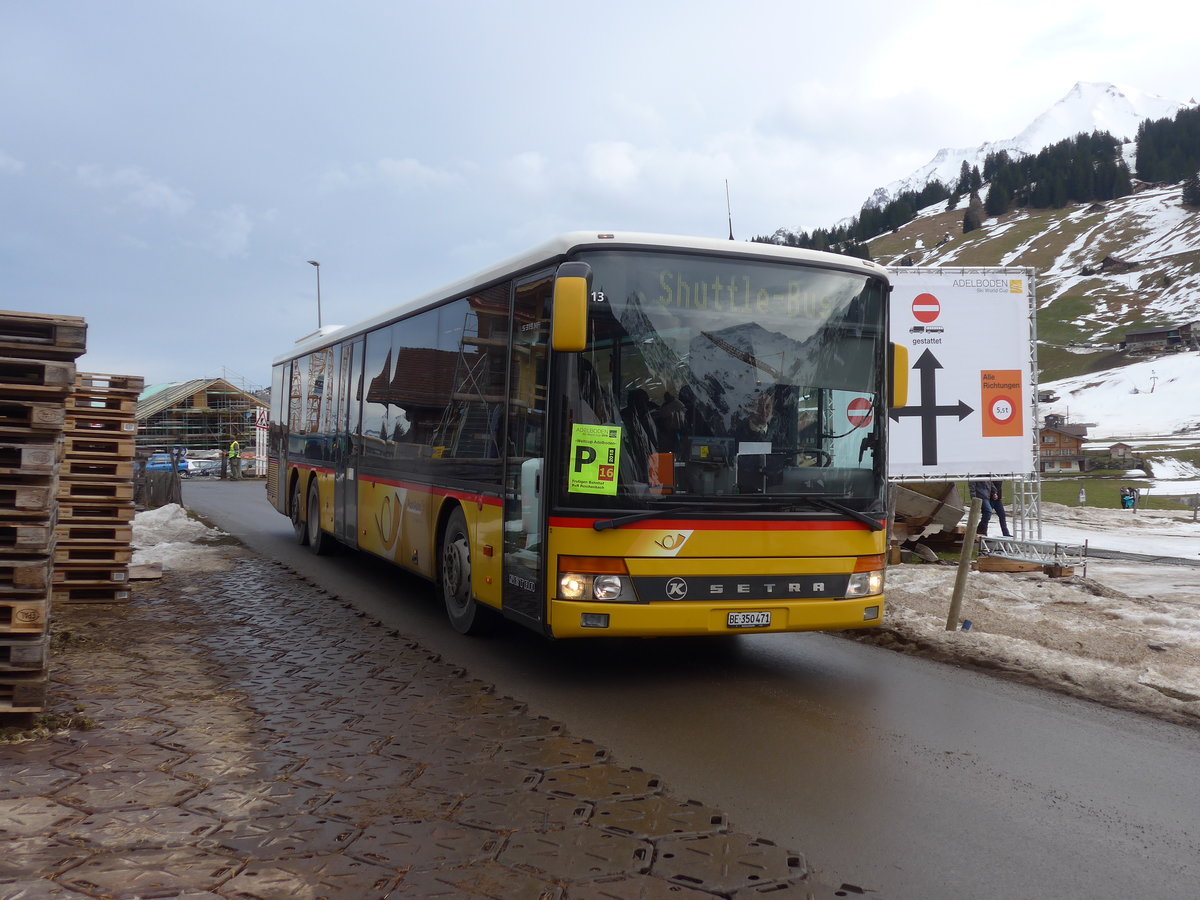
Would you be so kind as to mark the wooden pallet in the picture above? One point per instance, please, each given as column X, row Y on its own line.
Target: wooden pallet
column 93, row 446
column 87, row 424
column 23, row 652
column 98, row 469
column 35, row 379
column 92, row 533
column 25, row 575
column 64, row 594
column 69, row 489
column 25, row 499
column 42, row 336
column 30, row 459
column 23, row 692
column 16, row 537
column 73, row 575
column 23, row 416
column 92, row 554
column 24, row 616
column 101, row 402
column 93, row 512
column 97, row 382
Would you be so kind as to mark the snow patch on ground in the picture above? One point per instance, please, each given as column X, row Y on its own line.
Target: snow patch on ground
column 1075, row 635
column 167, row 536
column 1127, row 634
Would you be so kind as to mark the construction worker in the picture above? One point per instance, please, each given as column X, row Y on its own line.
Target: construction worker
column 235, row 461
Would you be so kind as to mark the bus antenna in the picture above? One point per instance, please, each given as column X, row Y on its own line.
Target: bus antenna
column 728, row 209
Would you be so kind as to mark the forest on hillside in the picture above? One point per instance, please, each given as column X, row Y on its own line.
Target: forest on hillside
column 1083, row 169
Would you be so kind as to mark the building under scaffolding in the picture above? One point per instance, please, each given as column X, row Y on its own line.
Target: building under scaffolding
column 203, row 414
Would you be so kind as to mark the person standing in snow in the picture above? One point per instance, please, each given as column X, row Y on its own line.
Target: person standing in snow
column 998, row 507
column 983, row 491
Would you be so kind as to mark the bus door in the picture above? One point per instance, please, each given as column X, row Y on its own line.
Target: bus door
column 345, row 444
column 525, row 438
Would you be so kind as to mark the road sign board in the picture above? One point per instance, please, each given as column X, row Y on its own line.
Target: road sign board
column 972, row 388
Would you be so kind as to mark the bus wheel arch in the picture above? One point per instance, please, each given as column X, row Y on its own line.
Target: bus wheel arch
column 466, row 614
column 295, row 510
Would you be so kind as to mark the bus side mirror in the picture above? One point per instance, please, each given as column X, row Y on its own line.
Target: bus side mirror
column 568, row 323
column 898, row 360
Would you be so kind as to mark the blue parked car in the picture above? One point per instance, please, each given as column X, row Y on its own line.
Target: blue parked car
column 161, row 462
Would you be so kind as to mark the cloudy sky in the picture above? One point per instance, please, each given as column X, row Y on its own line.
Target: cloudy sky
column 166, row 168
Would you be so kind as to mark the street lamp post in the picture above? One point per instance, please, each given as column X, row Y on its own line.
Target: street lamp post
column 313, row 262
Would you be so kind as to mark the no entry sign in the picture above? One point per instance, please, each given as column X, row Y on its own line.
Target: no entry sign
column 859, row 412
column 926, row 308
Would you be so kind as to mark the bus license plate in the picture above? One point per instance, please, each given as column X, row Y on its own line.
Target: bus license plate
column 749, row 619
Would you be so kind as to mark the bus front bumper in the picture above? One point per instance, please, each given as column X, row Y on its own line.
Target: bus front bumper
column 570, row 619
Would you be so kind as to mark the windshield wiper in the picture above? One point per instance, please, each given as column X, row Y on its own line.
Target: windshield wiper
column 835, row 506
column 605, row 524
column 781, row 505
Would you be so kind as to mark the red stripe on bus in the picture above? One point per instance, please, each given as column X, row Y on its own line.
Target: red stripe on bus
column 720, row 524
column 438, row 492
column 323, row 469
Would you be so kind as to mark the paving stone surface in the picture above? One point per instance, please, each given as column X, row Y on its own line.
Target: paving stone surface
column 259, row 739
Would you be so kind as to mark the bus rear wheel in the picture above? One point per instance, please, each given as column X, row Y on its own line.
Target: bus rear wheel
column 319, row 542
column 299, row 529
column 466, row 614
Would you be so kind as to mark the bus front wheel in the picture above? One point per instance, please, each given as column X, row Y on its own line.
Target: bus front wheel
column 454, row 576
column 299, row 529
column 319, row 542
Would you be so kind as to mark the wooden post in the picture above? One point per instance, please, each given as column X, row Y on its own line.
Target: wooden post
column 964, row 564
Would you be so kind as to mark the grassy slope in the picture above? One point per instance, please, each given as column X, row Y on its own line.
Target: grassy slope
column 1095, row 311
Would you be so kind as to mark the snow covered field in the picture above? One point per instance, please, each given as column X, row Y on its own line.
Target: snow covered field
column 1147, row 399
column 1127, row 634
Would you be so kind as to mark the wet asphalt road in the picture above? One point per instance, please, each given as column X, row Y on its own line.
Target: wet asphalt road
column 898, row 775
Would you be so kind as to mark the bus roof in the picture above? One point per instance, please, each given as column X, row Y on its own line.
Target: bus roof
column 558, row 248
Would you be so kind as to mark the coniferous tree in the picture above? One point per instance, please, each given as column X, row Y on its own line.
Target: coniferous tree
column 964, row 179
column 1191, row 191
column 973, row 217
column 1169, row 149
column 998, row 199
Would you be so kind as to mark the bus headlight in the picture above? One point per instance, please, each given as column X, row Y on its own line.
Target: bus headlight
column 589, row 578
column 572, row 586
column 607, row 587
column 864, row 584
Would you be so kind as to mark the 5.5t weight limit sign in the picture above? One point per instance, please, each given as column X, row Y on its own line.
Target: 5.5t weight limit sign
column 1000, row 390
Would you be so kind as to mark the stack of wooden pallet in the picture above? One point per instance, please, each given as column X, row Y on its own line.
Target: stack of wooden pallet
column 95, row 490
column 37, row 375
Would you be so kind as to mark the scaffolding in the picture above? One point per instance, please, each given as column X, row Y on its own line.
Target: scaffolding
column 198, row 415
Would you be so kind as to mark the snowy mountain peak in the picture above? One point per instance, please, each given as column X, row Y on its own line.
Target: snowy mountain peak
column 1087, row 107
column 1091, row 106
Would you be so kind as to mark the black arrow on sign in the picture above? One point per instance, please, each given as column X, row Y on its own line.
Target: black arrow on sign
column 928, row 409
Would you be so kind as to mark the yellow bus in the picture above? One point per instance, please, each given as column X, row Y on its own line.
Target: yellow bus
column 613, row 434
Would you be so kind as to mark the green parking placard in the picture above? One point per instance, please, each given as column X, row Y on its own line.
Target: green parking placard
column 595, row 458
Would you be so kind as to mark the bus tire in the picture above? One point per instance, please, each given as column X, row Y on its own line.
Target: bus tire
column 466, row 614
column 319, row 542
column 299, row 529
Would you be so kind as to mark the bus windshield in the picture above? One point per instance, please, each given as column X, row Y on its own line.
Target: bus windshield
column 709, row 377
